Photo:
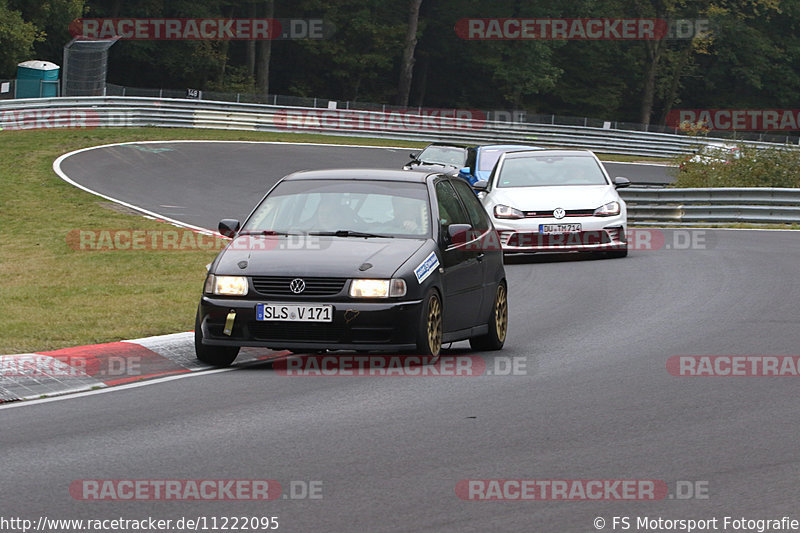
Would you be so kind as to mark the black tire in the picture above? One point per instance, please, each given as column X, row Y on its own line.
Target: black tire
column 429, row 331
column 220, row 356
column 498, row 323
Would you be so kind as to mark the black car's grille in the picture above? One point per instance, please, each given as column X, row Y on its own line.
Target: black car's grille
column 295, row 331
column 567, row 213
column 279, row 286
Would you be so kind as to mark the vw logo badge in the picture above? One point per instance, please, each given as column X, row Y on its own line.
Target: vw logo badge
column 297, row 285
column 559, row 212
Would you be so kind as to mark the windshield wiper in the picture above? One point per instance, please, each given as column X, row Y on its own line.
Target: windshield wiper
column 349, row 233
column 265, row 232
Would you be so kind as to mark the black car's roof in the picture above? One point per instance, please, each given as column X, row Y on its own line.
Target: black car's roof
column 365, row 174
column 452, row 145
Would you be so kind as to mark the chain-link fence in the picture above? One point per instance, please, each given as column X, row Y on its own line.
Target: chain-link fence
column 493, row 115
column 517, row 116
column 85, row 67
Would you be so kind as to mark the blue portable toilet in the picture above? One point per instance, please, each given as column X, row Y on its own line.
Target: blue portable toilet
column 37, row 79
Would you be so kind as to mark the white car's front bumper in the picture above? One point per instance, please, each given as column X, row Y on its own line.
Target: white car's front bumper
column 596, row 234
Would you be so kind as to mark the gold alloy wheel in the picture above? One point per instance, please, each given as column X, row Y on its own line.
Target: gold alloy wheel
column 434, row 325
column 501, row 313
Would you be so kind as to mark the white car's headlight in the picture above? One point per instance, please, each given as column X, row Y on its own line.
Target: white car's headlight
column 226, row 285
column 610, row 209
column 377, row 288
column 504, row 211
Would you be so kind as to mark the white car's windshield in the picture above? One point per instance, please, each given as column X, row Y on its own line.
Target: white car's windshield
column 548, row 171
column 385, row 208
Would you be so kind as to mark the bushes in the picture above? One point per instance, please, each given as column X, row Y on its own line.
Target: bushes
column 744, row 166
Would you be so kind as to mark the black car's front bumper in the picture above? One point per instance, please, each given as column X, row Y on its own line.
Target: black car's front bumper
column 356, row 325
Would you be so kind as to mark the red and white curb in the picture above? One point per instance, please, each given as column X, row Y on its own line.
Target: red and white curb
column 43, row 374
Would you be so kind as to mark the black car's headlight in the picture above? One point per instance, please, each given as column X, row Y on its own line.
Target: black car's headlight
column 377, row 288
column 226, row 285
column 504, row 211
column 610, row 209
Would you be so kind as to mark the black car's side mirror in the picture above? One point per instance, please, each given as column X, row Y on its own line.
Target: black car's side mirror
column 480, row 185
column 621, row 183
column 228, row 227
column 457, row 233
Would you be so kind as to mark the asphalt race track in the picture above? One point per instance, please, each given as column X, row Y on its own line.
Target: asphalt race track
column 183, row 180
column 591, row 398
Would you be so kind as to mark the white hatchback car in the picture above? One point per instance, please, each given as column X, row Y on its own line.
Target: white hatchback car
column 555, row 201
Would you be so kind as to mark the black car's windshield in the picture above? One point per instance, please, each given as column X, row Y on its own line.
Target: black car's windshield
column 444, row 155
column 548, row 171
column 345, row 208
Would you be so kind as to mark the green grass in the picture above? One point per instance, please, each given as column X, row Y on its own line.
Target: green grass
column 776, row 166
column 53, row 296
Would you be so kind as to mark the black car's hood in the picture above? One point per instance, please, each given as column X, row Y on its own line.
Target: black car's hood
column 315, row 256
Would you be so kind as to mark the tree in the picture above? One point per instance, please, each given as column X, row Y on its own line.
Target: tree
column 51, row 19
column 407, row 64
column 264, row 54
column 17, row 38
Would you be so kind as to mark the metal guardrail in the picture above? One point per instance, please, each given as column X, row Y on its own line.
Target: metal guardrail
column 172, row 112
column 645, row 205
column 750, row 205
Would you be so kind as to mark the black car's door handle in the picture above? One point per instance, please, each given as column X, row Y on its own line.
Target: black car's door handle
column 481, row 256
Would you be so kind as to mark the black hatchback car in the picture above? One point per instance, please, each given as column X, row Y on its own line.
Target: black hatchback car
column 358, row 259
column 446, row 158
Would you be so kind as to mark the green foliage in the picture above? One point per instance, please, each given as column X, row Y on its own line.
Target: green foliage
column 748, row 60
column 16, row 39
column 754, row 167
column 51, row 18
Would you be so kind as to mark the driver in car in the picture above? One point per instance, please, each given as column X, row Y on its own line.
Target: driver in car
column 406, row 213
